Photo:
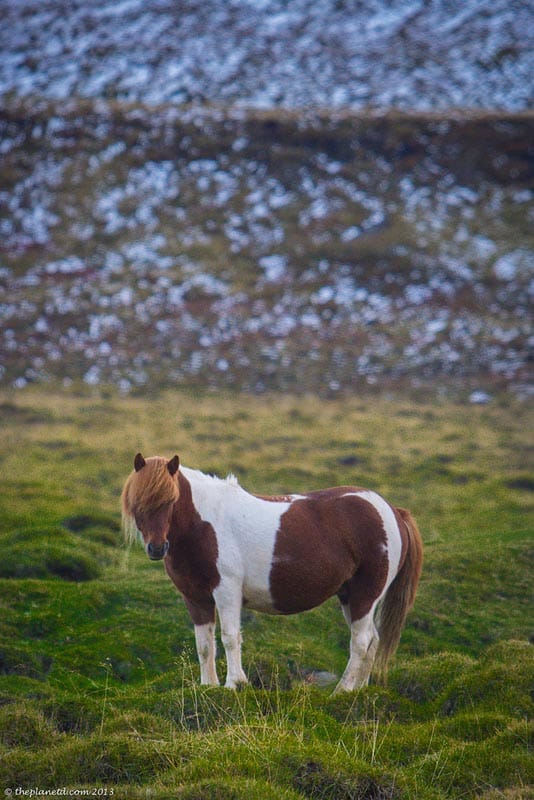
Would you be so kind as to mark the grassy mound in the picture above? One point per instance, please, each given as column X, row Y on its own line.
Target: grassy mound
column 71, row 553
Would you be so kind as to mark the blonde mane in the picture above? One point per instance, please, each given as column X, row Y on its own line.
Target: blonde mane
column 146, row 490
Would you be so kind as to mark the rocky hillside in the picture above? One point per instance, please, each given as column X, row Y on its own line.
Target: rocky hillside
column 406, row 54
column 148, row 241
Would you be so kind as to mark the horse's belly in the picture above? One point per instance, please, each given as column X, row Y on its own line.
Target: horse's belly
column 259, row 599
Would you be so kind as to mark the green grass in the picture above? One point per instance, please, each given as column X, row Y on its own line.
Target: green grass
column 98, row 676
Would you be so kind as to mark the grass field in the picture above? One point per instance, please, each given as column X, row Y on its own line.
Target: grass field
column 99, row 682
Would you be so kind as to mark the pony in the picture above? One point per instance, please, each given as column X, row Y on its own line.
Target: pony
column 225, row 548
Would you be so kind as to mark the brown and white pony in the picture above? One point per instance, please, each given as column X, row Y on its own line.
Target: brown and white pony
column 224, row 548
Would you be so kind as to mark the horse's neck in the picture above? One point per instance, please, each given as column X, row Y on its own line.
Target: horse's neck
column 212, row 496
column 231, row 510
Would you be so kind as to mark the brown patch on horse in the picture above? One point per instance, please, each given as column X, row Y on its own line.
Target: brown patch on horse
column 354, row 548
column 191, row 562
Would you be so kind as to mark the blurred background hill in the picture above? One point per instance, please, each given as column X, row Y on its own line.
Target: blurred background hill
column 406, row 54
column 320, row 196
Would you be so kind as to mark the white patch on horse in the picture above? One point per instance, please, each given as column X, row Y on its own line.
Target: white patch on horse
column 393, row 545
column 243, row 524
column 206, row 649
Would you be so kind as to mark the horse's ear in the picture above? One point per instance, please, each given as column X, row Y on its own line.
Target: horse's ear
column 139, row 462
column 173, row 465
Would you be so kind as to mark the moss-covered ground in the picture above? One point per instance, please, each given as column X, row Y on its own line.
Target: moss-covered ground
column 98, row 677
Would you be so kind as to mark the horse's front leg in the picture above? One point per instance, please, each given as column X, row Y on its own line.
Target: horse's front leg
column 228, row 599
column 203, row 617
column 206, row 651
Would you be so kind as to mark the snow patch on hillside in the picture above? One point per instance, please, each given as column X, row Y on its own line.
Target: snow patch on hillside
column 409, row 55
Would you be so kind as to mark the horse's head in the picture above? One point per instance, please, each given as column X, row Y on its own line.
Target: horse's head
column 148, row 499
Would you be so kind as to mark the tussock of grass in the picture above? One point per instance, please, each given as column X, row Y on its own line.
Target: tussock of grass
column 71, row 551
column 21, row 660
column 71, row 714
column 422, row 680
column 96, row 759
column 504, row 677
column 22, row 725
column 222, row 789
column 376, row 702
column 49, row 553
column 318, row 783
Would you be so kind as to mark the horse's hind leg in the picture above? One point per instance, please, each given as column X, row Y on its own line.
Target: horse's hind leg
column 363, row 645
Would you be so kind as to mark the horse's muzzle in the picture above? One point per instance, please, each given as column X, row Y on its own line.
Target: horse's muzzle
column 156, row 552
